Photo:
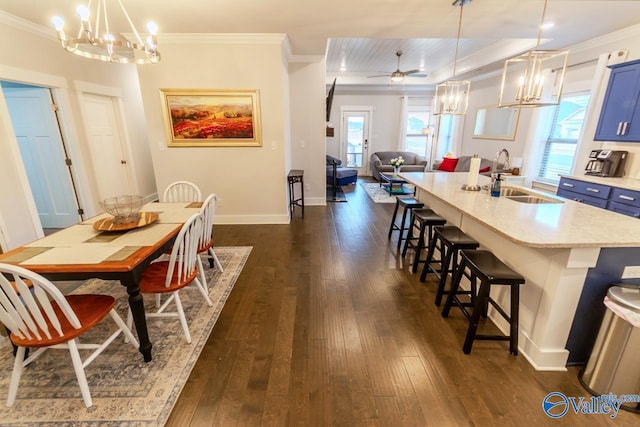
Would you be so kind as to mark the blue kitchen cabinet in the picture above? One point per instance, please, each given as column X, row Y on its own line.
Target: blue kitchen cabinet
column 620, row 200
column 620, row 114
column 625, row 201
column 584, row 192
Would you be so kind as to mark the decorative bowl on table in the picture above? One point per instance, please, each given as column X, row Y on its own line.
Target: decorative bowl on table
column 125, row 209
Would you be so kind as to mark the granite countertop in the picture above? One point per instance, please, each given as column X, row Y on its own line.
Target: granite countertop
column 626, row 182
column 550, row 225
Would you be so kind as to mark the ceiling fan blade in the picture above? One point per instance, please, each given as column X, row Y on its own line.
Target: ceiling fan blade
column 381, row 75
column 406, row 73
column 416, row 75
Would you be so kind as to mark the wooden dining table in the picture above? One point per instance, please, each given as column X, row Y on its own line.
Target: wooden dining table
column 83, row 252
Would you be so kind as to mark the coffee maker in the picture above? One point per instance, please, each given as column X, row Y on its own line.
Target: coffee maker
column 606, row 163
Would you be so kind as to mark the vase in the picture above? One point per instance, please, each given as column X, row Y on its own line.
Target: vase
column 396, row 169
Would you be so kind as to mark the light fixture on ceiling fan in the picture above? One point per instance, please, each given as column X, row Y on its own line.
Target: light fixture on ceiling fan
column 397, row 75
column 103, row 44
column 526, row 79
column 452, row 96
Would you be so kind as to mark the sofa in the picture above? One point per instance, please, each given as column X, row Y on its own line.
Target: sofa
column 463, row 164
column 380, row 162
column 344, row 175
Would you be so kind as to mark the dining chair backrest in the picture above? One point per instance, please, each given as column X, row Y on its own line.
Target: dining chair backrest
column 208, row 211
column 185, row 250
column 26, row 305
column 182, row 191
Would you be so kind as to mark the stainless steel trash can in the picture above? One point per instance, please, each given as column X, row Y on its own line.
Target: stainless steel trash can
column 614, row 364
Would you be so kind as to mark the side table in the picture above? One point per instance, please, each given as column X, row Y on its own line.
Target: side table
column 296, row 175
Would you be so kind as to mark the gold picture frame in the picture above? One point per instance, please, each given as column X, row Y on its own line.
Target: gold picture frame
column 211, row 118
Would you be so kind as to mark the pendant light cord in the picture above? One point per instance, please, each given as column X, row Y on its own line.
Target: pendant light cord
column 455, row 58
column 544, row 11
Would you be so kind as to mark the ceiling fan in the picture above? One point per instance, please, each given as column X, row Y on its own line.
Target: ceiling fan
column 397, row 75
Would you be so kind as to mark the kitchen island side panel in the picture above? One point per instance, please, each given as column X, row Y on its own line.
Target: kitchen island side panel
column 590, row 311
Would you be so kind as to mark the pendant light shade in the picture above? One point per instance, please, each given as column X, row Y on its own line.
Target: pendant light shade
column 452, row 96
column 535, row 78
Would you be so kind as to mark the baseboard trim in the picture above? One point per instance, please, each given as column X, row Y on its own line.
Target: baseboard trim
column 251, row 219
column 315, row 201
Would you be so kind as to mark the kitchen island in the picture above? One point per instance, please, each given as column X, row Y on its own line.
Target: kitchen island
column 555, row 246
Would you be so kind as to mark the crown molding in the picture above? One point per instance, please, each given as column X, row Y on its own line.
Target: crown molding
column 287, row 53
column 221, row 38
column 27, row 26
column 616, row 36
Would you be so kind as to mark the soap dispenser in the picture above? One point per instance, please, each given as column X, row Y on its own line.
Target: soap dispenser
column 495, row 186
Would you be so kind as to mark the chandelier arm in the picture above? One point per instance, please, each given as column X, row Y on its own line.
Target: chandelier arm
column 99, row 8
column 455, row 58
column 142, row 43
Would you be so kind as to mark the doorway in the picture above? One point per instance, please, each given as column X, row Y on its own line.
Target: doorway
column 112, row 170
column 356, row 122
column 44, row 155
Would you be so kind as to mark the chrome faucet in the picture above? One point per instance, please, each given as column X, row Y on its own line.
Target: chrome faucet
column 506, row 161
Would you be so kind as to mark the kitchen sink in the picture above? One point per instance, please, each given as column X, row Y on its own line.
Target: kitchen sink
column 511, row 191
column 522, row 196
column 532, row 199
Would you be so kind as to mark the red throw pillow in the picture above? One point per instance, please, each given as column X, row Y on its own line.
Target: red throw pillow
column 448, row 164
column 483, row 170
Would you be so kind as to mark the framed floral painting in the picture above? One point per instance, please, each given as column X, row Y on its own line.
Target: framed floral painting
column 219, row 118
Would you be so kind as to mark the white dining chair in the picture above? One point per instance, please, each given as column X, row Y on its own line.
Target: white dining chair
column 182, row 191
column 169, row 277
column 40, row 316
column 208, row 211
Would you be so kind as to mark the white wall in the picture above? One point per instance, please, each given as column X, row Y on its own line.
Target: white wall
column 592, row 75
column 34, row 57
column 307, row 95
column 482, row 94
column 250, row 181
column 384, row 121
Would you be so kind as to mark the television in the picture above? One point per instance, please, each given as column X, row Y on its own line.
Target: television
column 330, row 100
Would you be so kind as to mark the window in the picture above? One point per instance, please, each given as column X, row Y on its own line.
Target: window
column 566, row 127
column 417, row 120
column 446, row 136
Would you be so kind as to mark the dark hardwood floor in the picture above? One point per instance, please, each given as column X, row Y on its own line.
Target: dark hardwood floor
column 328, row 326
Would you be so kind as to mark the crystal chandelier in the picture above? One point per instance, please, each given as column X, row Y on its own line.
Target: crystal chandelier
column 527, row 79
column 452, row 96
column 99, row 42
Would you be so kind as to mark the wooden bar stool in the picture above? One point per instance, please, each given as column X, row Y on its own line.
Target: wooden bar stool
column 490, row 271
column 452, row 240
column 407, row 203
column 424, row 220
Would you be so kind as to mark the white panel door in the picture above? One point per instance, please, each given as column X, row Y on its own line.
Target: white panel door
column 355, row 139
column 110, row 166
column 38, row 135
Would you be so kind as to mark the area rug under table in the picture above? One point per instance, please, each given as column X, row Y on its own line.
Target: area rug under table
column 380, row 194
column 125, row 389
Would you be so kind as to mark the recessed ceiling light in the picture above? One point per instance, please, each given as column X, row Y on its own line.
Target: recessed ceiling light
column 547, row 25
column 343, row 68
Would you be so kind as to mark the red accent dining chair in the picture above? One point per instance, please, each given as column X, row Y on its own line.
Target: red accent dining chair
column 40, row 316
column 169, row 277
column 176, row 192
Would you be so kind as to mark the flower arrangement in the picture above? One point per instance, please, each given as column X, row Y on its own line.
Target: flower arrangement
column 396, row 162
